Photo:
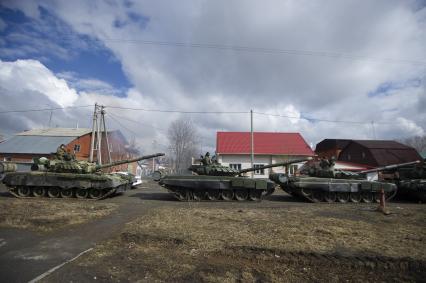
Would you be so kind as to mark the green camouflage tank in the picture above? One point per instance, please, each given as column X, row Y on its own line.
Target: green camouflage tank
column 66, row 179
column 320, row 182
column 214, row 182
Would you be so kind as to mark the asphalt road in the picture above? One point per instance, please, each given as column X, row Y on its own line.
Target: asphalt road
column 24, row 255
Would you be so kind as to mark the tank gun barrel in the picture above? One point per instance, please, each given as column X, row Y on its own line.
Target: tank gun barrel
column 388, row 167
column 285, row 163
column 116, row 163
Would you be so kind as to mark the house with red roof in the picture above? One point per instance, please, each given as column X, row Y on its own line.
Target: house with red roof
column 234, row 149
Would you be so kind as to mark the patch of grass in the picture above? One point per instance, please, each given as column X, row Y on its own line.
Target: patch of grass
column 256, row 244
column 44, row 215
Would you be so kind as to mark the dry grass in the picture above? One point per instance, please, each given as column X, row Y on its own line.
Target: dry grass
column 324, row 229
column 48, row 215
column 248, row 245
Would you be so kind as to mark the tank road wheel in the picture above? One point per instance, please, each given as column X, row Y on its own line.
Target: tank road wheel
column 39, row 192
column 367, row 197
column 81, row 193
column 198, row 195
column 213, row 194
column 23, row 191
column 183, row 195
column 255, row 195
column 355, row 197
column 227, row 195
column 342, row 197
column 95, row 193
column 241, row 194
column 330, row 196
column 53, row 192
column 67, row 193
column 317, row 196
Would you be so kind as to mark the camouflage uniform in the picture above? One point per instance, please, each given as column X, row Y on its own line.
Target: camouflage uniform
column 61, row 152
column 206, row 159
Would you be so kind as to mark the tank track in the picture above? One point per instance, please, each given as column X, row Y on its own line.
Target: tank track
column 333, row 259
column 340, row 197
column 46, row 195
column 237, row 194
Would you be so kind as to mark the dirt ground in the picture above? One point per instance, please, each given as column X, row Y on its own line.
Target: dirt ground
column 291, row 243
column 48, row 215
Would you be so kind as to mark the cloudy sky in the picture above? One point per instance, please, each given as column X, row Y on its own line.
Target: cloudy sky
column 327, row 69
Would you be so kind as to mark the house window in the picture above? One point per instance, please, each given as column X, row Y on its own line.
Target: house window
column 349, row 157
column 76, row 148
column 259, row 171
column 236, row 166
column 363, row 155
column 292, row 169
column 7, row 159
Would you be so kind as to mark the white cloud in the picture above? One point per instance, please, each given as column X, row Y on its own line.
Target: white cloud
column 32, row 76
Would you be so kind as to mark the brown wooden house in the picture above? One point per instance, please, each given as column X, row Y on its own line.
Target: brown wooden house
column 378, row 153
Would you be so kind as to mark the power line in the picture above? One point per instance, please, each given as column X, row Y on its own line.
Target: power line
column 119, row 123
column 44, row 109
column 243, row 112
column 321, row 120
column 265, row 50
column 178, row 111
column 137, row 122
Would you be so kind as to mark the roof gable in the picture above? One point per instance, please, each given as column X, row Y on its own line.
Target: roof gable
column 264, row 143
column 57, row 132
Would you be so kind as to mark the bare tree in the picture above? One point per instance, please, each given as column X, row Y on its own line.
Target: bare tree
column 418, row 142
column 182, row 136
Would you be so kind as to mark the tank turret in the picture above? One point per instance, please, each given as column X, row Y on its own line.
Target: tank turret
column 217, row 169
column 80, row 167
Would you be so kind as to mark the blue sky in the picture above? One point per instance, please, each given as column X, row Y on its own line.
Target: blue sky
column 84, row 56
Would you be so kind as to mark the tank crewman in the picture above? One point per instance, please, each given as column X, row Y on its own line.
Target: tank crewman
column 324, row 163
column 69, row 156
column 206, row 159
column 61, row 152
column 332, row 162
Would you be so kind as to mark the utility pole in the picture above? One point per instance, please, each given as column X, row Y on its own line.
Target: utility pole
column 106, row 133
column 98, row 130
column 251, row 142
column 92, row 142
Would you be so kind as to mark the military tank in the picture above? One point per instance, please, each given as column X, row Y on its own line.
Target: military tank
column 409, row 177
column 215, row 182
column 66, row 179
column 325, row 184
